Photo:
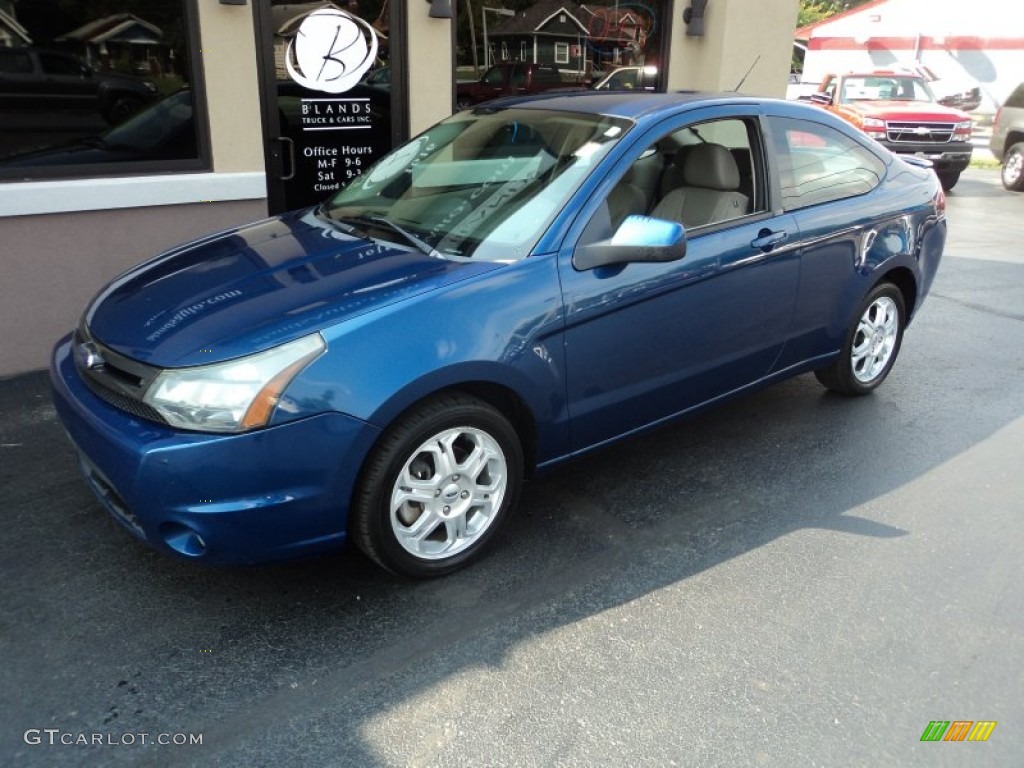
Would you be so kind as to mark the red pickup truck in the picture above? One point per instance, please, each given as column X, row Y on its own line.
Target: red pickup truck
column 512, row 78
column 899, row 110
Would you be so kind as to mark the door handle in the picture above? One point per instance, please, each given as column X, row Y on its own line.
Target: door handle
column 282, row 155
column 289, row 174
column 766, row 240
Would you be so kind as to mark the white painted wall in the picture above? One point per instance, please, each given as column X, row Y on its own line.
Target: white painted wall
column 981, row 42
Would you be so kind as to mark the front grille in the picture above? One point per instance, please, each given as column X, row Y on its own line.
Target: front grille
column 121, row 401
column 114, row 378
column 919, row 133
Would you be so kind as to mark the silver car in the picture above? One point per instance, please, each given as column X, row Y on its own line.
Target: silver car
column 1007, row 142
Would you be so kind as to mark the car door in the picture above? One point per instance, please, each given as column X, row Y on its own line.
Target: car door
column 824, row 176
column 66, row 82
column 646, row 341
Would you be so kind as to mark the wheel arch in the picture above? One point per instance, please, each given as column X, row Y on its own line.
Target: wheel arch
column 905, row 281
column 1014, row 136
column 500, row 396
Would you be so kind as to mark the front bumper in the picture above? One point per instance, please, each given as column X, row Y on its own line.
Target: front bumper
column 944, row 157
column 270, row 494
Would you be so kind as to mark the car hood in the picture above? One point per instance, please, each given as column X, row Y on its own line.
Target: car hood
column 252, row 288
column 922, row 111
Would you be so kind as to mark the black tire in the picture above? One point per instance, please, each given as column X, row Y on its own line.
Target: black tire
column 948, row 179
column 463, row 103
column 458, row 508
column 1013, row 168
column 868, row 355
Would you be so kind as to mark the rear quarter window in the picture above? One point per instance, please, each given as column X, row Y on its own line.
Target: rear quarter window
column 817, row 164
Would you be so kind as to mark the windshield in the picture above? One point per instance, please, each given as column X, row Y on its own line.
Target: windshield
column 885, row 87
column 482, row 184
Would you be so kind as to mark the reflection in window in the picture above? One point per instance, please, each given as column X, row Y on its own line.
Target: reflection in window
column 481, row 185
column 584, row 41
column 95, row 84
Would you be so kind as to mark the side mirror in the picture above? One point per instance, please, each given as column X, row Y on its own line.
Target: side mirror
column 821, row 98
column 638, row 239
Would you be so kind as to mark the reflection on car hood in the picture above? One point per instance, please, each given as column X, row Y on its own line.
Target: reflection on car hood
column 252, row 288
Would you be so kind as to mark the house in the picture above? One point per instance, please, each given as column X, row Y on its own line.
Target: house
column 12, row 34
column 982, row 43
column 548, row 32
column 617, row 35
column 121, row 41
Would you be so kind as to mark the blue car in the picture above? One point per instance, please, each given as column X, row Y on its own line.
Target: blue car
column 518, row 285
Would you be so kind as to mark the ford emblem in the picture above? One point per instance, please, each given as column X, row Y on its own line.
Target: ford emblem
column 89, row 356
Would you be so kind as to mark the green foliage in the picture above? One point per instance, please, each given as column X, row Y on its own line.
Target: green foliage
column 812, row 11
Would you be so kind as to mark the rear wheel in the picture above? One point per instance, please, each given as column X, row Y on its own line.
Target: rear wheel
column 438, row 487
column 948, row 179
column 871, row 344
column 1013, row 168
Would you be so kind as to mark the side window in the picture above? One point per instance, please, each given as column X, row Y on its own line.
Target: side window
column 494, row 76
column 59, row 65
column 700, row 175
column 1016, row 99
column 15, row 63
column 818, row 164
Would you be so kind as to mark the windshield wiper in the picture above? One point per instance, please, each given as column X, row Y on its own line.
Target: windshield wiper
column 421, row 245
column 343, row 223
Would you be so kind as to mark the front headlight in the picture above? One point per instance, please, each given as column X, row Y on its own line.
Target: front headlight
column 233, row 396
column 873, row 127
column 149, row 86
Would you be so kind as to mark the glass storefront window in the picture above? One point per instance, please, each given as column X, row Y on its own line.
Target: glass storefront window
column 586, row 42
column 97, row 87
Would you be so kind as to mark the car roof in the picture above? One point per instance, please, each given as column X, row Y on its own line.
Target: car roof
column 628, row 104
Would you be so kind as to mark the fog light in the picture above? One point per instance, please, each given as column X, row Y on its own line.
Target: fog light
column 183, row 539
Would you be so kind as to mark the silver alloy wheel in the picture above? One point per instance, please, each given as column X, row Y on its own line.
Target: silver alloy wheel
column 1012, row 168
column 875, row 339
column 448, row 493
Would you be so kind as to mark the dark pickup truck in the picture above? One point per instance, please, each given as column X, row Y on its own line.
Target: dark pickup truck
column 37, row 79
column 512, row 78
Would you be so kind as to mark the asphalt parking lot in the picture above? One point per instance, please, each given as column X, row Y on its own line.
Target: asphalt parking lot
column 793, row 579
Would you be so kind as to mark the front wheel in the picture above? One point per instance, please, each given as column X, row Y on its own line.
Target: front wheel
column 871, row 345
column 438, row 487
column 948, row 179
column 1013, row 168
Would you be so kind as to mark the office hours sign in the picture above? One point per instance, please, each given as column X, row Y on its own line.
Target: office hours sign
column 334, row 124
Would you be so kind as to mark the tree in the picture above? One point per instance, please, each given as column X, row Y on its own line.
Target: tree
column 812, row 11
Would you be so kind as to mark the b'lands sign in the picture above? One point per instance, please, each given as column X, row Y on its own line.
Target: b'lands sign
column 331, row 51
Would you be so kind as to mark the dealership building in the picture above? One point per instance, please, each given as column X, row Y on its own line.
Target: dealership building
column 127, row 131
